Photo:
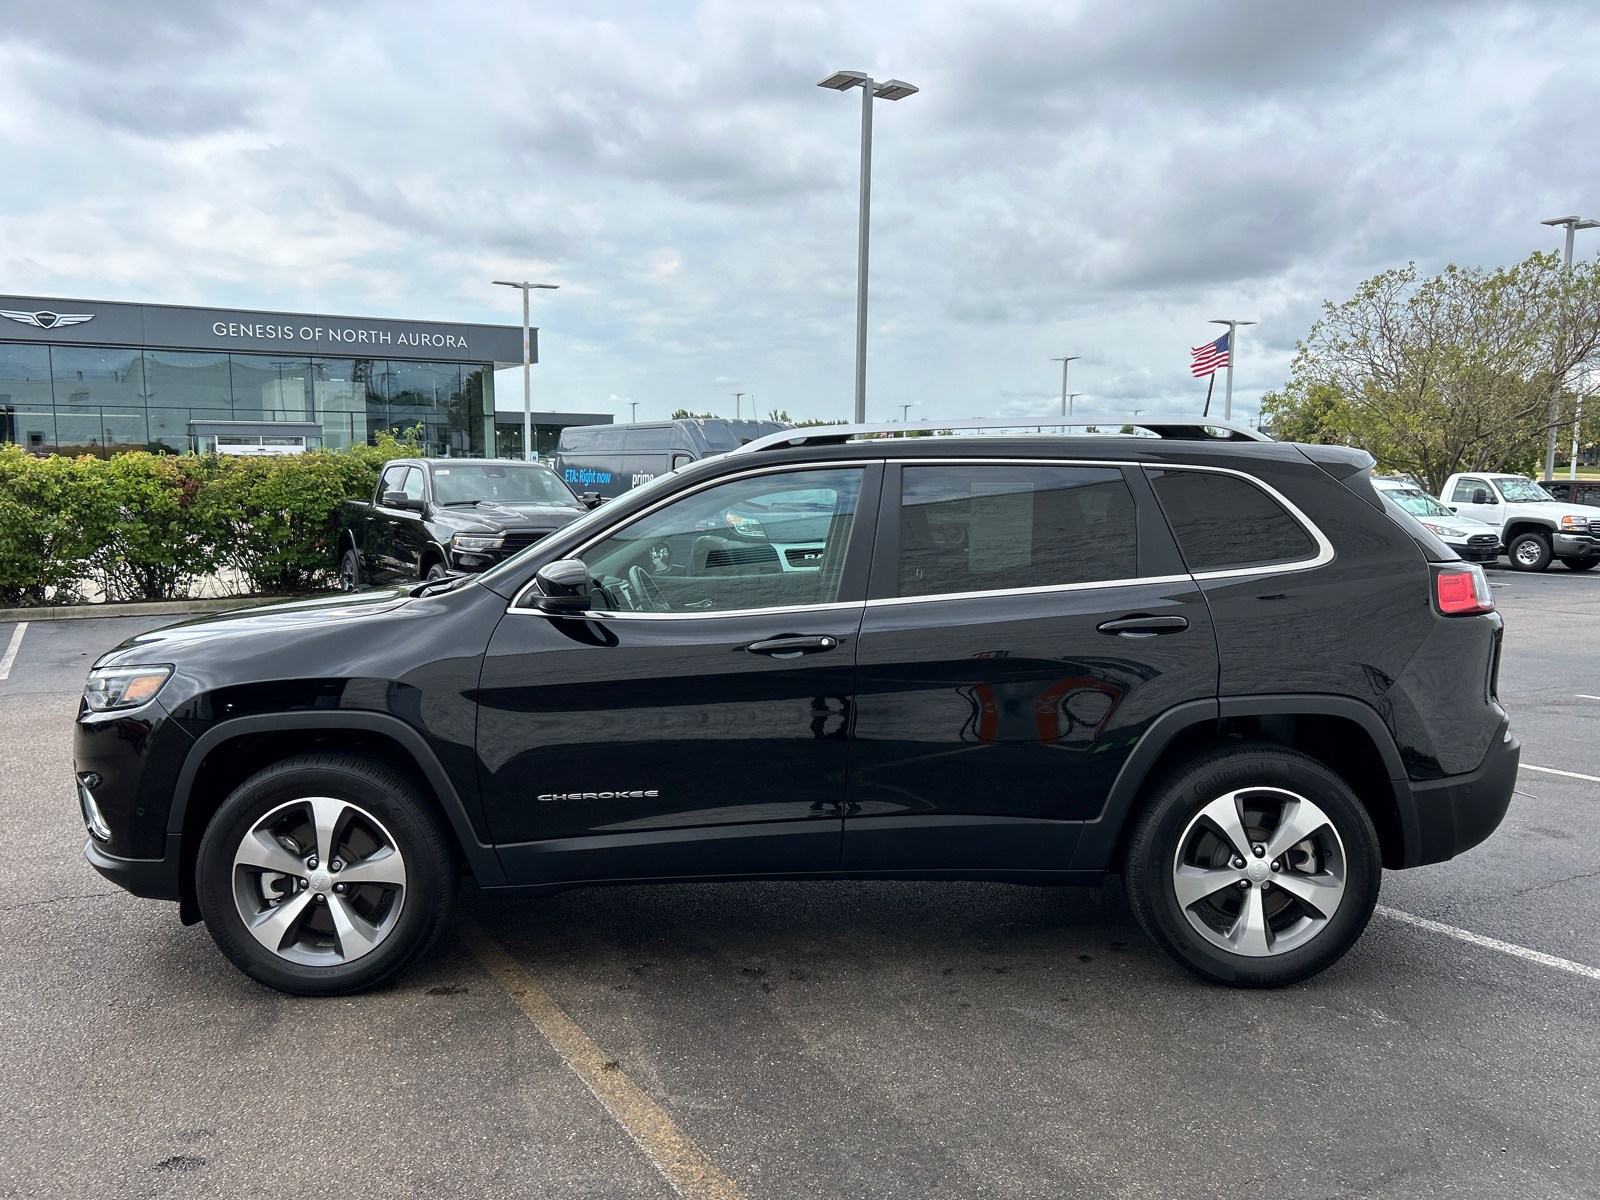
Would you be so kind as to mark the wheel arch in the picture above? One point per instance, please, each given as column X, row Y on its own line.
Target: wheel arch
column 228, row 754
column 431, row 553
column 1516, row 528
column 1342, row 733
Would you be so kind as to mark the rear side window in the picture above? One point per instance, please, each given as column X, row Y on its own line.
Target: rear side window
column 989, row 528
column 1224, row 523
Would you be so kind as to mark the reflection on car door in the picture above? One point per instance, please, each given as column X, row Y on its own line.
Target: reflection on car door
column 697, row 721
column 1027, row 622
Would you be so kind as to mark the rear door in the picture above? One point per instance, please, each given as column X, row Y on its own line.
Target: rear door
column 1026, row 623
column 697, row 721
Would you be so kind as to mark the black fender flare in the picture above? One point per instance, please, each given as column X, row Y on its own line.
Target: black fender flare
column 482, row 858
column 1100, row 836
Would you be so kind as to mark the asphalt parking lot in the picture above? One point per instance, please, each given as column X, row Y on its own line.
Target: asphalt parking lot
column 819, row 1039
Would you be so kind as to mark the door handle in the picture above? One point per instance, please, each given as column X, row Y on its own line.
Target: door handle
column 1143, row 627
column 792, row 647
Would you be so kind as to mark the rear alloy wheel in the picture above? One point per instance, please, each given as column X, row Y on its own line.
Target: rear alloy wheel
column 1580, row 564
column 435, row 572
column 325, row 874
column 1254, row 866
column 1529, row 552
column 350, row 571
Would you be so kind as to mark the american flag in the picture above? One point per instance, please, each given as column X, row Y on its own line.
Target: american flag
column 1210, row 357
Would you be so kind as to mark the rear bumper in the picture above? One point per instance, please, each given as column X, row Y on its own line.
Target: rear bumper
column 152, row 878
column 1457, row 812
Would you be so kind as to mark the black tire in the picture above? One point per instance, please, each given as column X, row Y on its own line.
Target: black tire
column 381, row 813
column 1529, row 552
column 1171, row 823
column 1580, row 564
column 350, row 570
column 437, row 571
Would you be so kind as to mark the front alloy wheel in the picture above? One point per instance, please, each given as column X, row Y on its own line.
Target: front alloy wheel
column 1253, row 865
column 319, row 881
column 325, row 874
column 1529, row 552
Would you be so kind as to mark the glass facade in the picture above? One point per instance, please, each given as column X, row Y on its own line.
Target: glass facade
column 86, row 399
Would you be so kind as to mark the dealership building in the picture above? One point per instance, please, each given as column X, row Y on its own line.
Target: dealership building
column 80, row 376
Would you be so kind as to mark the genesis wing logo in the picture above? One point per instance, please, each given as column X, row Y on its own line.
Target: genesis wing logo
column 47, row 319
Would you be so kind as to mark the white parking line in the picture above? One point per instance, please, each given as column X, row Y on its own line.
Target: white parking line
column 1489, row 943
column 11, row 650
column 1568, row 774
column 1581, row 696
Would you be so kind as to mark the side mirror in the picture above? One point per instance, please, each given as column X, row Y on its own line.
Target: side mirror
column 592, row 499
column 1480, row 496
column 401, row 500
column 563, row 586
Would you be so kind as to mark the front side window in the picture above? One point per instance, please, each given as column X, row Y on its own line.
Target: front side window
column 393, row 479
column 1519, row 491
column 1466, row 487
column 769, row 541
column 500, row 483
column 1225, row 523
column 986, row 528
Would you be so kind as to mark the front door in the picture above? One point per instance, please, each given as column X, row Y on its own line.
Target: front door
column 384, row 523
column 1028, row 622
column 696, row 722
column 1475, row 497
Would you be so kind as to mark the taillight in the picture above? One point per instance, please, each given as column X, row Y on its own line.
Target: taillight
column 1460, row 590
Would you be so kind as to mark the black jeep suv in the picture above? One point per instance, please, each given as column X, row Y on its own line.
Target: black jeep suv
column 1211, row 663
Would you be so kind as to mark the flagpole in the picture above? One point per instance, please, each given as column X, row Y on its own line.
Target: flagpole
column 1206, row 412
column 1233, row 352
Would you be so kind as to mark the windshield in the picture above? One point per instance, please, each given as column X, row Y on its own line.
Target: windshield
column 500, row 483
column 1521, row 489
column 1418, row 502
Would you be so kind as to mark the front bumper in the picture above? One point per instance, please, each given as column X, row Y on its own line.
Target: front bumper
column 152, row 878
column 1457, row 812
column 1575, row 545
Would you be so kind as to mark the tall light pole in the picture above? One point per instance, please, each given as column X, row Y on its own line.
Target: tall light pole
column 736, row 398
column 633, row 411
column 1071, row 396
column 905, row 411
column 527, row 365
column 1065, row 363
column 890, row 89
column 1572, row 225
column 1233, row 353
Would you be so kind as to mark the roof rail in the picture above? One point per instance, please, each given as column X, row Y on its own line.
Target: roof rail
column 1182, row 428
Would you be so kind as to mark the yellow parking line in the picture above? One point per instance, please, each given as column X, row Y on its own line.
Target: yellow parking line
column 674, row 1152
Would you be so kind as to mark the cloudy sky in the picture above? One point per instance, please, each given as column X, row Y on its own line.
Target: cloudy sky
column 1086, row 178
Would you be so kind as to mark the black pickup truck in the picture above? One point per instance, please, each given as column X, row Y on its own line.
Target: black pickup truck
column 432, row 517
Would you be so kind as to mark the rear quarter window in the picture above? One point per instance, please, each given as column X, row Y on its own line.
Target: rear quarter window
column 1223, row 522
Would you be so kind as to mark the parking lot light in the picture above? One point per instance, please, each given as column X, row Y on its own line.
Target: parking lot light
column 527, row 364
column 889, row 89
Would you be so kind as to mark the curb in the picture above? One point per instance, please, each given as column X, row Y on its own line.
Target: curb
column 146, row 608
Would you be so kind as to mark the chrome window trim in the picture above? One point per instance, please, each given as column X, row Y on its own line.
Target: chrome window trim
column 1324, row 555
column 1043, row 589
column 606, row 614
column 517, row 606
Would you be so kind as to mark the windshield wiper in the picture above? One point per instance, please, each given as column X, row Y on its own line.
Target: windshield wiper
column 453, row 503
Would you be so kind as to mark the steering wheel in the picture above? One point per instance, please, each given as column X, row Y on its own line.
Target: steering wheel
column 649, row 592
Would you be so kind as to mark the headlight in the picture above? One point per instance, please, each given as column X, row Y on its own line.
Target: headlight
column 1575, row 523
column 1446, row 530
column 123, row 687
column 464, row 541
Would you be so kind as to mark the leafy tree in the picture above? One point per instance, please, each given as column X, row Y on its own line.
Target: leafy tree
column 683, row 414
column 1451, row 373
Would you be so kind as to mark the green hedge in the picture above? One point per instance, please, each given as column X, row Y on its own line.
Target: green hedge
column 142, row 526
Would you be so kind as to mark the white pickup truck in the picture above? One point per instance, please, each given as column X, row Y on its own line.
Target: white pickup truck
column 1535, row 528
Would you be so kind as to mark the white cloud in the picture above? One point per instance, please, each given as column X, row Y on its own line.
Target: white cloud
column 1091, row 178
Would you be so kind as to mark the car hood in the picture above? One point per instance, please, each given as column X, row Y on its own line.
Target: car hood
column 170, row 641
column 508, row 518
column 1554, row 509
